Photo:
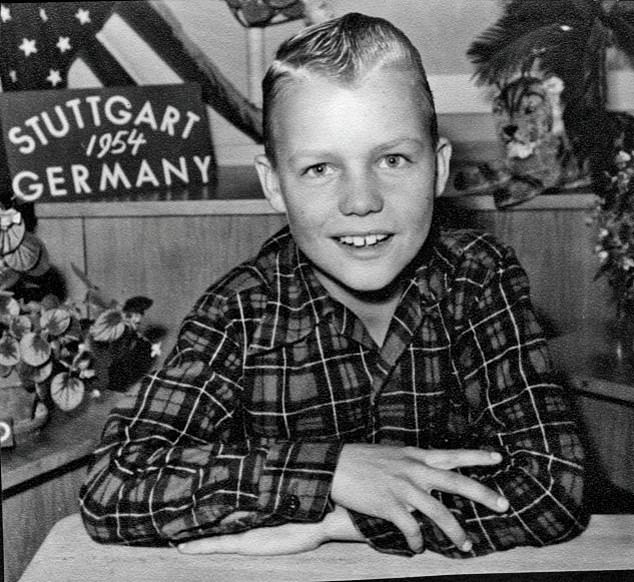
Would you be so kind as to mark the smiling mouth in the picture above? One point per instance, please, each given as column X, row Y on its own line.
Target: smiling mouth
column 359, row 241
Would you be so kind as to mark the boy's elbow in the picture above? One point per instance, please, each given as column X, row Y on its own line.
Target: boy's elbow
column 564, row 516
column 97, row 518
column 99, row 503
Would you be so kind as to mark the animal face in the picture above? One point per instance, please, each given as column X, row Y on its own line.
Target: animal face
column 523, row 115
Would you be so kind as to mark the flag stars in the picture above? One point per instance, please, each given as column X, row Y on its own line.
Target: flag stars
column 43, row 15
column 63, row 44
column 54, row 78
column 5, row 13
column 28, row 47
column 83, row 16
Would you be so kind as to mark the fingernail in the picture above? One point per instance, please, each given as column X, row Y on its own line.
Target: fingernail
column 503, row 503
column 466, row 547
column 496, row 457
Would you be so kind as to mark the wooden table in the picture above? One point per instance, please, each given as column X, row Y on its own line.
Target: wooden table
column 69, row 555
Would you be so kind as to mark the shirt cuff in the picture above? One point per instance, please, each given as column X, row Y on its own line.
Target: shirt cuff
column 296, row 479
column 381, row 534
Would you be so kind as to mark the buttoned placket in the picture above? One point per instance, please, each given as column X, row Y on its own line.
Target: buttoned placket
column 381, row 361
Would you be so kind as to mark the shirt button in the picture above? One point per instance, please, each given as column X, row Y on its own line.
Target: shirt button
column 290, row 504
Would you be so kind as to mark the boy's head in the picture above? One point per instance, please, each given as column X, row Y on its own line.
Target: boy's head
column 343, row 49
column 352, row 152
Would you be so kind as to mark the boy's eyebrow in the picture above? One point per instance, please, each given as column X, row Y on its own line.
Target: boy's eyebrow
column 398, row 142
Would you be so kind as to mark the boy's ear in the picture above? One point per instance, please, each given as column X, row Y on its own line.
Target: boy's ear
column 270, row 182
column 443, row 158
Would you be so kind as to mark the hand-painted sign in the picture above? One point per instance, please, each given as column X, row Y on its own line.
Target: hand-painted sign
column 81, row 144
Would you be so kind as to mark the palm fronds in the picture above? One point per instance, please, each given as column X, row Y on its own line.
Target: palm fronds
column 567, row 38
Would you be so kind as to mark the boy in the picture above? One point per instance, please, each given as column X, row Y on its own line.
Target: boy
column 368, row 377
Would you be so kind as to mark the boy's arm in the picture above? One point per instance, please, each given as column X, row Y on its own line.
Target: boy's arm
column 516, row 409
column 174, row 462
column 289, row 538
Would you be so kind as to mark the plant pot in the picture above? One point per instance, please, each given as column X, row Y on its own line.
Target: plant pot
column 21, row 417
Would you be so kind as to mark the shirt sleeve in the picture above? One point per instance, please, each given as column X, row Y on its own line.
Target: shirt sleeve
column 175, row 462
column 514, row 407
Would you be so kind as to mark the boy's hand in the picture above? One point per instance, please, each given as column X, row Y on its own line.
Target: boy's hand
column 390, row 482
column 290, row 538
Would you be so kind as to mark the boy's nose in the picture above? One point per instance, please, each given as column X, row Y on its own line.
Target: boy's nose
column 360, row 195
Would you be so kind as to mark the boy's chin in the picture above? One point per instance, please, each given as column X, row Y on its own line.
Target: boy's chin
column 373, row 288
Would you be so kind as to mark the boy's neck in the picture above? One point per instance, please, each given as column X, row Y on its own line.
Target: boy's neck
column 376, row 316
column 375, row 309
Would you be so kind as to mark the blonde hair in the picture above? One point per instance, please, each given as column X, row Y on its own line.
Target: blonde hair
column 343, row 49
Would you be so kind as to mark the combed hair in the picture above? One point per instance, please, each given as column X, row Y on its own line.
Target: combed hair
column 343, row 49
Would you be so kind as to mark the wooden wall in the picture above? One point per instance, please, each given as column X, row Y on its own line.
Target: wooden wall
column 555, row 246
column 171, row 252
column 171, row 259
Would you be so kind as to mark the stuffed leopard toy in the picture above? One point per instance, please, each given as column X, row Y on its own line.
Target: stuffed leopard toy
column 540, row 155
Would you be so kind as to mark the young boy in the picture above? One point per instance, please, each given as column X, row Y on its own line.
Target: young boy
column 367, row 376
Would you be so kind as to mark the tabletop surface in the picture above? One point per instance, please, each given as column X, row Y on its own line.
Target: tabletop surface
column 66, row 438
column 596, row 361
column 69, row 555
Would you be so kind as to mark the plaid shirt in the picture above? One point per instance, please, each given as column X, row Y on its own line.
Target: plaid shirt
column 243, row 425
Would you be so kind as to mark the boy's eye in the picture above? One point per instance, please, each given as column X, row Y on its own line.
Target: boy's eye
column 393, row 161
column 318, row 170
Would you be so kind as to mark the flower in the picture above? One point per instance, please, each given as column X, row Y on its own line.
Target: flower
column 613, row 216
column 59, row 352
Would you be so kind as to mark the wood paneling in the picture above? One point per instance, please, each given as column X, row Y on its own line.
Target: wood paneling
column 172, row 259
column 64, row 240
column 174, row 255
column 556, row 249
column 610, row 429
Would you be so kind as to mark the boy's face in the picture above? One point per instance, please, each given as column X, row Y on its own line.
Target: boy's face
column 356, row 174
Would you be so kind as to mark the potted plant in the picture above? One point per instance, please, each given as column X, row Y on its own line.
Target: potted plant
column 613, row 217
column 53, row 352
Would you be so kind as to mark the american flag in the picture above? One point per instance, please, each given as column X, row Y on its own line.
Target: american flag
column 39, row 41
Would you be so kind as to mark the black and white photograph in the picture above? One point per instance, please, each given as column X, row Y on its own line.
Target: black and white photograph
column 316, row 290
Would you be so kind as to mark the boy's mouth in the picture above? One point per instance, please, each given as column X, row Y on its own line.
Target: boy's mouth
column 359, row 241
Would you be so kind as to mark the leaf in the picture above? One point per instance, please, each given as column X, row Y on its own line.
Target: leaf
column 20, row 326
column 8, row 305
column 11, row 236
column 35, row 374
column 35, row 350
column 564, row 37
column 50, row 301
column 55, row 321
column 137, row 304
column 9, row 351
column 67, row 391
column 109, row 326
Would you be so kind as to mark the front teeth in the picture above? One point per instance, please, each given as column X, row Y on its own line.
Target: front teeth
column 363, row 241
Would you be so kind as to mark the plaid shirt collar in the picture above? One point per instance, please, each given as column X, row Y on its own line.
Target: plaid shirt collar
column 298, row 302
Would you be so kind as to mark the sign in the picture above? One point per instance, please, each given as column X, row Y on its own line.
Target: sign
column 82, row 144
